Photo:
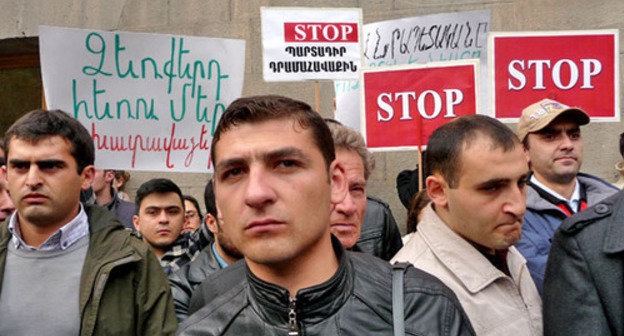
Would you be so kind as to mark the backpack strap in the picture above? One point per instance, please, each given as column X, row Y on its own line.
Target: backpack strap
column 398, row 309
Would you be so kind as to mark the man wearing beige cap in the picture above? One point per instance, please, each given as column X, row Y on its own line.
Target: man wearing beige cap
column 550, row 131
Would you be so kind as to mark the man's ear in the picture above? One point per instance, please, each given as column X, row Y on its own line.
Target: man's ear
column 135, row 221
column 338, row 183
column 86, row 177
column 3, row 173
column 109, row 176
column 211, row 223
column 437, row 189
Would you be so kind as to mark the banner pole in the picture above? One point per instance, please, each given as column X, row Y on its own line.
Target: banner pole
column 420, row 169
column 317, row 93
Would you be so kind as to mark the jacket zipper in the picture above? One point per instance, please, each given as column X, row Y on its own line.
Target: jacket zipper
column 292, row 318
column 101, row 280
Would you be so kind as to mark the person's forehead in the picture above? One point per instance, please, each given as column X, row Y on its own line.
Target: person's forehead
column 351, row 162
column 54, row 144
column 188, row 204
column 263, row 136
column 481, row 160
column 161, row 199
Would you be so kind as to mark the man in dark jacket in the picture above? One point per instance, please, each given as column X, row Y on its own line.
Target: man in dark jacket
column 107, row 197
column 68, row 268
column 218, row 255
column 380, row 234
column 276, row 182
column 584, row 276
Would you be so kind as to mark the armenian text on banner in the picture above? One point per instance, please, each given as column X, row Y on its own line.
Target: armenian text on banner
column 311, row 43
column 577, row 68
column 417, row 40
column 403, row 105
column 150, row 101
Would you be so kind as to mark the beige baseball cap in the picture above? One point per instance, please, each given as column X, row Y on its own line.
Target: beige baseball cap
column 539, row 115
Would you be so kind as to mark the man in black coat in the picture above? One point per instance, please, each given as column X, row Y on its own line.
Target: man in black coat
column 584, row 286
column 276, row 182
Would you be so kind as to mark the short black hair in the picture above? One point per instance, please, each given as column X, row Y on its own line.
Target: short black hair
column 195, row 204
column 209, row 199
column 446, row 143
column 39, row 124
column 257, row 109
column 622, row 144
column 157, row 185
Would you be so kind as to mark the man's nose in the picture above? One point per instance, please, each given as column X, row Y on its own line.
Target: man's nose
column 258, row 191
column 347, row 207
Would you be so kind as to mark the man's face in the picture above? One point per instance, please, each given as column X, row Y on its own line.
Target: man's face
column 347, row 216
column 556, row 152
column 221, row 237
column 273, row 190
column 102, row 180
column 487, row 205
column 160, row 219
column 6, row 203
column 43, row 181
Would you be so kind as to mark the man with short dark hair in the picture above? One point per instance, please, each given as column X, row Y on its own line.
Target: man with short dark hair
column 550, row 131
column 276, row 182
column 106, row 196
column 160, row 219
column 477, row 188
column 68, row 268
column 218, row 255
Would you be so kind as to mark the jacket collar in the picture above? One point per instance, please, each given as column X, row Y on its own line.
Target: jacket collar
column 462, row 259
column 197, row 270
column 592, row 188
column 314, row 304
column 614, row 237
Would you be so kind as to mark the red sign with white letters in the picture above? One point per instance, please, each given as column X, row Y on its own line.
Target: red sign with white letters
column 575, row 68
column 320, row 32
column 403, row 105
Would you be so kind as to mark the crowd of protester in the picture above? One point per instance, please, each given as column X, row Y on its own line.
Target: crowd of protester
column 291, row 242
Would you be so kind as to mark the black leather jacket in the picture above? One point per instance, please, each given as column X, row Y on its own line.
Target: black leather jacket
column 184, row 281
column 357, row 300
column 380, row 235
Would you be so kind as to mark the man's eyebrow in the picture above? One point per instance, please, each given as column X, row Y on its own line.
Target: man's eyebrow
column 40, row 162
column 549, row 129
column 494, row 181
column 166, row 207
column 359, row 183
column 284, row 152
column 267, row 156
column 229, row 163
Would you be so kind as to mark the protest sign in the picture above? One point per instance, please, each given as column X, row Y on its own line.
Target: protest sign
column 577, row 68
column 422, row 39
column 150, row 101
column 403, row 105
column 311, row 43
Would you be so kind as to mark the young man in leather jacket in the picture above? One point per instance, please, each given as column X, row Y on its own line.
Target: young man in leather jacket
column 276, row 183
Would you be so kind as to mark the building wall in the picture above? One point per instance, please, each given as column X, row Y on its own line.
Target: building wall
column 241, row 19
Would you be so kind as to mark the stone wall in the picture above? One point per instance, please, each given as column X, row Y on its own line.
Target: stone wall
column 241, row 19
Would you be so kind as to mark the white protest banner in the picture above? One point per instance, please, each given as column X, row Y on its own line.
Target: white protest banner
column 422, row 39
column 311, row 43
column 150, row 101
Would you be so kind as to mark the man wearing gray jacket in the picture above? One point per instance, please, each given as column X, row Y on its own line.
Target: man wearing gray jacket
column 584, row 276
